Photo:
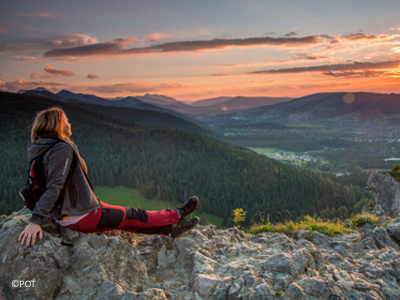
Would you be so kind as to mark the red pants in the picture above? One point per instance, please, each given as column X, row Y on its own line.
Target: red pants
column 131, row 219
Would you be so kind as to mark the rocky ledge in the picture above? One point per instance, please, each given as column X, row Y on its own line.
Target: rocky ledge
column 204, row 263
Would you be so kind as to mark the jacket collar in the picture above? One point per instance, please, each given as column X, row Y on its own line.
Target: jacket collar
column 50, row 135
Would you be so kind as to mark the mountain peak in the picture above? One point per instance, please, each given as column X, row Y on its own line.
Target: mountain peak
column 38, row 89
column 41, row 89
column 157, row 99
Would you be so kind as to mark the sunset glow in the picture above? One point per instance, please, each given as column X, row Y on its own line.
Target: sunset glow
column 192, row 50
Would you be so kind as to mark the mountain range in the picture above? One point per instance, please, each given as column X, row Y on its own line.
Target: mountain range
column 337, row 107
column 163, row 103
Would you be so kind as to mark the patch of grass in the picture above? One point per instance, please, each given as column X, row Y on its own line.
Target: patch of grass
column 272, row 150
column 264, row 150
column 279, row 293
column 290, row 228
column 360, row 220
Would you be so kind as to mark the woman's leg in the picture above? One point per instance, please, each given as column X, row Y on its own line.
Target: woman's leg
column 110, row 217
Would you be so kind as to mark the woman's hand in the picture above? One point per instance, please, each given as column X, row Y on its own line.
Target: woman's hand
column 28, row 235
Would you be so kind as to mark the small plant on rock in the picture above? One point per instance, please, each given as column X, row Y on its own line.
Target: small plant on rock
column 321, row 272
column 309, row 236
column 239, row 216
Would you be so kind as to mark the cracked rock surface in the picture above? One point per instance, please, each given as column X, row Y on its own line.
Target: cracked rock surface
column 203, row 263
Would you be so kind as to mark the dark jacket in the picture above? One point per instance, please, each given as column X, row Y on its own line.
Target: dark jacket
column 78, row 197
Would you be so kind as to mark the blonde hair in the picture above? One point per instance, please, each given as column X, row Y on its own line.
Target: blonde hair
column 51, row 120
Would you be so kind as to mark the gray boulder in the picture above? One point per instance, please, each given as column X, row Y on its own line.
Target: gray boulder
column 393, row 230
column 386, row 193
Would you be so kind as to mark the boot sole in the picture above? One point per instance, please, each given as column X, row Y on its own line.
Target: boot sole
column 183, row 231
column 196, row 206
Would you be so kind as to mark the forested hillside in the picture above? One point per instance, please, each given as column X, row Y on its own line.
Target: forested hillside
column 150, row 117
column 167, row 163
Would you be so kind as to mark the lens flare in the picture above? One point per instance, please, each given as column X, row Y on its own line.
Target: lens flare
column 349, row 98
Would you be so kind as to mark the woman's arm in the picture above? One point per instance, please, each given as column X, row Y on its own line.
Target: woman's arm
column 58, row 166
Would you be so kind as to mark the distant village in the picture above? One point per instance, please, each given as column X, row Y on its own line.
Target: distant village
column 280, row 156
column 306, row 157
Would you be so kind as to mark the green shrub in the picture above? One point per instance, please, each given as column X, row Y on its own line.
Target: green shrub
column 361, row 219
column 395, row 172
column 290, row 228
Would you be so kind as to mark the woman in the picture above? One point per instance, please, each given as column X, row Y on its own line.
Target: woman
column 81, row 209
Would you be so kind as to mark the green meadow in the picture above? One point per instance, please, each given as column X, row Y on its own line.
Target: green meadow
column 124, row 196
column 271, row 150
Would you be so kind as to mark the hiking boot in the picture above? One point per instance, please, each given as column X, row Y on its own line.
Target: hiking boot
column 183, row 226
column 188, row 207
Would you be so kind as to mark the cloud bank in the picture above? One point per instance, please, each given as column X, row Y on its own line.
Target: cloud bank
column 31, row 46
column 334, row 67
column 78, row 46
column 117, row 47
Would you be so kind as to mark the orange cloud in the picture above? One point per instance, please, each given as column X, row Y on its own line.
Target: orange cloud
column 154, row 37
column 362, row 36
column 396, row 49
column 51, row 72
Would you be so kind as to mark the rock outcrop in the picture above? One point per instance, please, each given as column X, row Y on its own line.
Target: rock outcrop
column 386, row 193
column 204, row 263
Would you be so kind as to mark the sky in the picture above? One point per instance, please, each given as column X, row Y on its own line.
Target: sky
column 193, row 50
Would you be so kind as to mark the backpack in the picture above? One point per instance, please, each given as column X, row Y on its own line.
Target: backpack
column 35, row 187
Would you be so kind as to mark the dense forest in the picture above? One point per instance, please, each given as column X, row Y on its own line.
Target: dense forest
column 151, row 117
column 169, row 164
